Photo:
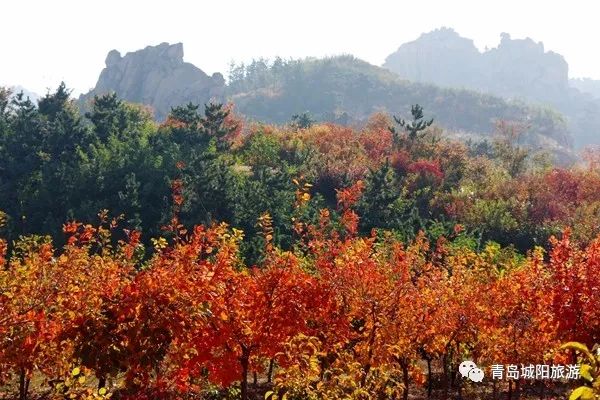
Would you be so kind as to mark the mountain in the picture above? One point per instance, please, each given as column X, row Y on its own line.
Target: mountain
column 345, row 89
column 441, row 57
column 156, row 76
column 342, row 89
column 517, row 68
column 34, row 97
column 586, row 85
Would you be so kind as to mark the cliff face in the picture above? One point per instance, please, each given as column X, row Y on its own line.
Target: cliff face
column 441, row 57
column 522, row 68
column 157, row 76
column 517, row 68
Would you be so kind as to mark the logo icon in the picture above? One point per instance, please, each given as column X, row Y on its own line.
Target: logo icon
column 468, row 369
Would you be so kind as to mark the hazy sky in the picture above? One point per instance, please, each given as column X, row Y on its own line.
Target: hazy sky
column 45, row 41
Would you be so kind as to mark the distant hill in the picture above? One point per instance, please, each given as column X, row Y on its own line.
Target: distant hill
column 586, row 85
column 342, row 89
column 346, row 89
column 156, row 76
column 34, row 97
column 517, row 68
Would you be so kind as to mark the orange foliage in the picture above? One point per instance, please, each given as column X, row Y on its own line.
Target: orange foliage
column 194, row 313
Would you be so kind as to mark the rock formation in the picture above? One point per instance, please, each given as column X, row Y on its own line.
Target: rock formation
column 517, row 68
column 521, row 68
column 157, row 76
column 441, row 57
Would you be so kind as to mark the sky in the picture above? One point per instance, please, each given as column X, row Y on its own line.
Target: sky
column 45, row 42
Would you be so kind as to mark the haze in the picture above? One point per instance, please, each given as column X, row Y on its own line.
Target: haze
column 69, row 40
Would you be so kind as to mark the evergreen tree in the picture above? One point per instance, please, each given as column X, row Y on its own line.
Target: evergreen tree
column 381, row 191
column 302, row 121
column 54, row 103
column 188, row 114
column 213, row 124
column 414, row 127
column 39, row 167
column 108, row 115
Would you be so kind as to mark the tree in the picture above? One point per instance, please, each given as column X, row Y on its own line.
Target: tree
column 214, row 124
column 302, row 121
column 108, row 115
column 382, row 190
column 507, row 147
column 386, row 205
column 261, row 312
column 414, row 127
column 40, row 163
column 188, row 114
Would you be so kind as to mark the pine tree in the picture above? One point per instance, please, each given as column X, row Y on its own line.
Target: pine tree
column 302, row 121
column 51, row 104
column 107, row 115
column 213, row 124
column 414, row 127
column 188, row 114
column 381, row 191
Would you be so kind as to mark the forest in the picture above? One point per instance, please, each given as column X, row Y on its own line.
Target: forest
column 211, row 257
column 345, row 89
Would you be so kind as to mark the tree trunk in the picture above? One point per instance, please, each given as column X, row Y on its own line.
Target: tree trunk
column 405, row 379
column 101, row 382
column 517, row 390
column 445, row 374
column 244, row 361
column 255, row 379
column 270, row 372
column 367, row 367
column 429, row 382
column 450, row 370
column 23, row 384
column 509, row 390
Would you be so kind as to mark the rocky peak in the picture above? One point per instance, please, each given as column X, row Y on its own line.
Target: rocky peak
column 521, row 67
column 157, row 76
column 516, row 68
column 112, row 58
column 441, row 56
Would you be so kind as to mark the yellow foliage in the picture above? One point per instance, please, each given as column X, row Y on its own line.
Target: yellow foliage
column 589, row 369
column 311, row 374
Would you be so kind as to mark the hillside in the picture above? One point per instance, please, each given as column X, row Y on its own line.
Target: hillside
column 586, row 85
column 517, row 68
column 191, row 257
column 341, row 89
column 345, row 89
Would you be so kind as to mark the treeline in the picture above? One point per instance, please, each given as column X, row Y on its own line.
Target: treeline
column 327, row 260
column 347, row 90
column 57, row 165
column 340, row 316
